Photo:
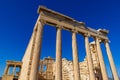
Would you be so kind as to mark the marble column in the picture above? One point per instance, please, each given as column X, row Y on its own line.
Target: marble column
column 6, row 70
column 110, row 58
column 58, row 75
column 20, row 69
column 41, row 66
column 36, row 51
column 89, row 58
column 13, row 72
column 75, row 57
column 101, row 60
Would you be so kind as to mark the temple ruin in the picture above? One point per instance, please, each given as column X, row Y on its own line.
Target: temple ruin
column 92, row 68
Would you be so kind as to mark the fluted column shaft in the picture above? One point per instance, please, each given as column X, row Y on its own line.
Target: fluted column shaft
column 101, row 60
column 36, row 52
column 58, row 75
column 112, row 65
column 89, row 59
column 75, row 57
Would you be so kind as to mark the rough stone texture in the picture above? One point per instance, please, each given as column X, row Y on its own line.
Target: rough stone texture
column 47, row 68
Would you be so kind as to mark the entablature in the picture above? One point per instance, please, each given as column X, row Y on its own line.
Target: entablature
column 14, row 63
column 54, row 18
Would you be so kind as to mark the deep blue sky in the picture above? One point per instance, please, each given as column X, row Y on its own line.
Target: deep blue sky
column 18, row 17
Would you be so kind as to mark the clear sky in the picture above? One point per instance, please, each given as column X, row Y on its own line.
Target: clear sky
column 18, row 17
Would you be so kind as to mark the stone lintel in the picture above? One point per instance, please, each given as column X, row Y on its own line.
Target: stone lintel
column 13, row 63
column 54, row 18
column 48, row 12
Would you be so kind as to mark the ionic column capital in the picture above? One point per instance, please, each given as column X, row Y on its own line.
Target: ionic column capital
column 59, row 26
column 106, row 41
column 98, row 39
column 74, row 30
column 42, row 21
column 86, row 35
column 39, row 22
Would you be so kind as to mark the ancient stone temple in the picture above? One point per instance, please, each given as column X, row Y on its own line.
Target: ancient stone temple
column 92, row 68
